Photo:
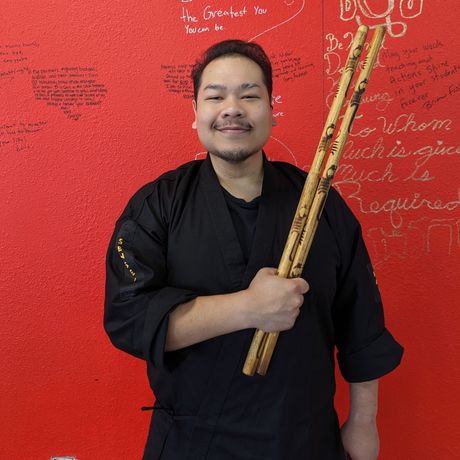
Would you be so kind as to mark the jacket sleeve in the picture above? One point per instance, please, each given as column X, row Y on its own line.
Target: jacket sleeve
column 137, row 296
column 366, row 349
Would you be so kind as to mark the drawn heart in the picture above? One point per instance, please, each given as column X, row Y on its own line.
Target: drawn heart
column 289, row 4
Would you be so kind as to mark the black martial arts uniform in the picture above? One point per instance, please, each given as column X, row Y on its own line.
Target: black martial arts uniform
column 176, row 240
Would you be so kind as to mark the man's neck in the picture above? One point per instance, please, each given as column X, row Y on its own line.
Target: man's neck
column 243, row 179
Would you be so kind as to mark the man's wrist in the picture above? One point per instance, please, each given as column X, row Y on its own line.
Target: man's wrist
column 363, row 402
column 362, row 417
column 246, row 307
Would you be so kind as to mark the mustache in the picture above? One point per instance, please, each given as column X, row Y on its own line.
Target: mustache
column 233, row 124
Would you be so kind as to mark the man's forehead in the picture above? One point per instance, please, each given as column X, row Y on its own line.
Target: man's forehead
column 221, row 71
column 233, row 62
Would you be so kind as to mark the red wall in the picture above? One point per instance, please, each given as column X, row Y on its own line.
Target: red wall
column 95, row 102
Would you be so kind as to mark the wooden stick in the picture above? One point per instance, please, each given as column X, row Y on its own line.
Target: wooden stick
column 325, row 183
column 315, row 191
column 311, row 183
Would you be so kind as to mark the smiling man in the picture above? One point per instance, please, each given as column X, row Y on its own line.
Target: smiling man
column 232, row 109
column 190, row 276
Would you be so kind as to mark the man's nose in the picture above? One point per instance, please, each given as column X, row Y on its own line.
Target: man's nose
column 233, row 108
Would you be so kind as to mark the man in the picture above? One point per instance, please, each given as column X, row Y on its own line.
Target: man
column 188, row 280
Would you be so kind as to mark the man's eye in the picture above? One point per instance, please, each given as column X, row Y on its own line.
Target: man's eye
column 250, row 96
column 213, row 98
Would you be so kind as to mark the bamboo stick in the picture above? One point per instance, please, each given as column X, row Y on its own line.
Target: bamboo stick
column 315, row 190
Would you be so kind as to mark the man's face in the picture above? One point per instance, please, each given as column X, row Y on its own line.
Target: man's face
column 233, row 116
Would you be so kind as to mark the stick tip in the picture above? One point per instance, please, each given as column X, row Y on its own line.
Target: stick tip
column 249, row 368
column 381, row 30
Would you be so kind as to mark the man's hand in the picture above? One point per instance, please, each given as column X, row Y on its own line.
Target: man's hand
column 360, row 438
column 274, row 302
column 270, row 303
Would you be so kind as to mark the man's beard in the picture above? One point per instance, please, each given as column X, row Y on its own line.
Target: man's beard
column 235, row 155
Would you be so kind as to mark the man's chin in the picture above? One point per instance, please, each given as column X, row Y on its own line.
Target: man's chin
column 234, row 156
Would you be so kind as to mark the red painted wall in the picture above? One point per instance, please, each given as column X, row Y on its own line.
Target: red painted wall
column 95, row 102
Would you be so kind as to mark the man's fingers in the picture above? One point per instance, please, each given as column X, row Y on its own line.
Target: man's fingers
column 302, row 285
column 269, row 270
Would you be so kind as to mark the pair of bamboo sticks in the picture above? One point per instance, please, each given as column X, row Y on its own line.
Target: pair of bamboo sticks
column 317, row 184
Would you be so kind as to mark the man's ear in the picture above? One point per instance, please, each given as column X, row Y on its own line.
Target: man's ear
column 194, row 111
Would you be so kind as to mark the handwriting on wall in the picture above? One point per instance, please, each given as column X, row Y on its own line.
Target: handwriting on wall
column 334, row 56
column 399, row 160
column 19, row 134
column 176, row 79
column 68, row 88
column 14, row 59
column 362, row 12
column 398, row 190
column 206, row 20
column 422, row 76
column 393, row 162
column 199, row 19
column 289, row 66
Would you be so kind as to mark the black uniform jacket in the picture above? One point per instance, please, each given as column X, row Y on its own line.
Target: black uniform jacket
column 175, row 241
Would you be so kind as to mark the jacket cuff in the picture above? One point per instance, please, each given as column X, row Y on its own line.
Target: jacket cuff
column 378, row 358
column 157, row 319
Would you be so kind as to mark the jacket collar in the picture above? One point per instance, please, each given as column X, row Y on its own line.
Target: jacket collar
column 240, row 274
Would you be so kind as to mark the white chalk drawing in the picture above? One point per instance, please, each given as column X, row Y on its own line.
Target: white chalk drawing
column 291, row 153
column 428, row 228
column 357, row 9
column 387, row 245
column 287, row 3
column 192, row 20
column 423, row 236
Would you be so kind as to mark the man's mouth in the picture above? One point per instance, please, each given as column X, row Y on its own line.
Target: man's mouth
column 233, row 129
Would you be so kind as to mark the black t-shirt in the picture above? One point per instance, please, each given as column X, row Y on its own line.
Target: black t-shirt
column 244, row 217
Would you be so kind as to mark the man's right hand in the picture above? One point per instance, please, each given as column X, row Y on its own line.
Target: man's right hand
column 274, row 303
column 270, row 303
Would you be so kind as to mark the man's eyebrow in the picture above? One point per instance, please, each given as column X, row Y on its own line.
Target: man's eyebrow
column 243, row 86
column 249, row 85
column 214, row 86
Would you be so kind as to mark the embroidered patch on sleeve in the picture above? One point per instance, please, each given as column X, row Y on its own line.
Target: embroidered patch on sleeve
column 133, row 276
column 377, row 297
column 122, row 256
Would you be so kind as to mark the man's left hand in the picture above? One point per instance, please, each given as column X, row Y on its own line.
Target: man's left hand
column 360, row 439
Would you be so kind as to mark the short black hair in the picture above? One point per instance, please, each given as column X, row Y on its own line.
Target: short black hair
column 250, row 50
